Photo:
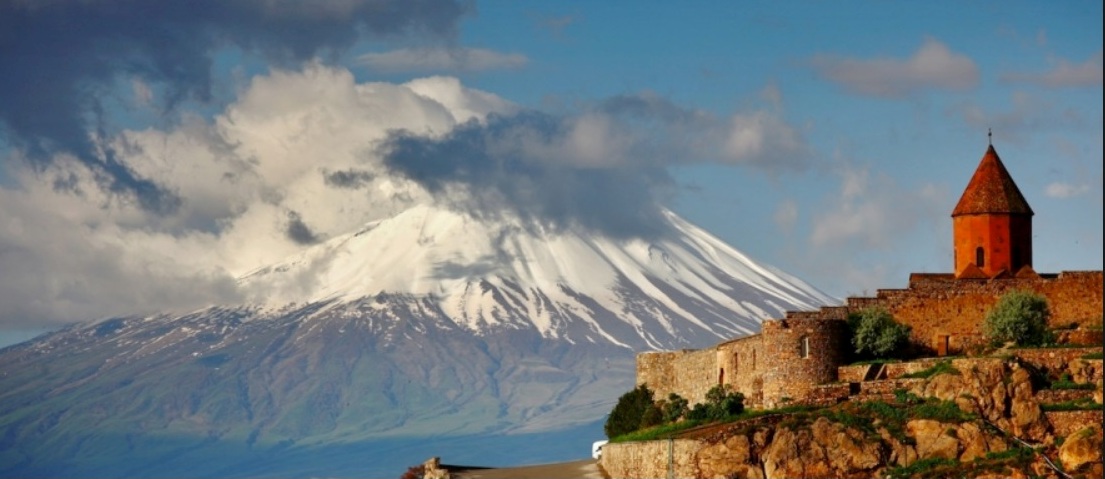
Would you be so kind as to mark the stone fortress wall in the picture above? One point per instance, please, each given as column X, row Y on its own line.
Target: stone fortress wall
column 947, row 314
column 992, row 229
column 791, row 356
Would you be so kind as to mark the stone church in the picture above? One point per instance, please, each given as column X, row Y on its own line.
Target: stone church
column 792, row 356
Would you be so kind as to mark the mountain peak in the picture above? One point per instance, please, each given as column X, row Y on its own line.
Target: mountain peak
column 506, row 271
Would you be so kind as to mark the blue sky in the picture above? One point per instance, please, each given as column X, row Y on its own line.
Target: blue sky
column 830, row 140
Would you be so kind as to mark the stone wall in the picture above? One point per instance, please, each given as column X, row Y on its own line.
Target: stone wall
column 652, row 459
column 804, row 353
column 1055, row 362
column 655, row 369
column 852, row 374
column 805, row 349
column 938, row 304
column 696, row 372
column 1053, row 396
column 688, row 373
column 1065, row 423
column 742, row 363
column 897, row 370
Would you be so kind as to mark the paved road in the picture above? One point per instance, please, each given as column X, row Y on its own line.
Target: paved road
column 586, row 469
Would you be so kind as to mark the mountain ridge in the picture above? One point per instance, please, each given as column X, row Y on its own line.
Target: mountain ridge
column 431, row 324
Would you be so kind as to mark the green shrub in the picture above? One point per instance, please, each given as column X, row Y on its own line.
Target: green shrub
column 675, row 408
column 1020, row 317
column 1083, row 404
column 875, row 333
column 903, row 396
column 721, row 403
column 943, row 411
column 1065, row 382
column 629, row 413
column 942, row 367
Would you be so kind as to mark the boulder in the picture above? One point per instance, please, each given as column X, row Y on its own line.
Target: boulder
column 1025, row 416
column 900, row 454
column 728, row 458
column 1082, row 447
column 826, row 449
column 933, row 439
column 974, row 443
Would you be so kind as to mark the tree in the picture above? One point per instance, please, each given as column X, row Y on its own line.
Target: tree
column 675, row 408
column 721, row 402
column 876, row 333
column 1020, row 317
column 628, row 414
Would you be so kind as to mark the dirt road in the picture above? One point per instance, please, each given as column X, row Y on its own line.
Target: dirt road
column 586, row 469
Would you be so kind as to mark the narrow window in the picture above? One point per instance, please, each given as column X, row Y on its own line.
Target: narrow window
column 980, row 257
column 805, row 347
column 753, row 359
column 736, row 363
column 721, row 376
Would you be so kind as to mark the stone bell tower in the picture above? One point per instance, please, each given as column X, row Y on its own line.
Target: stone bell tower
column 992, row 223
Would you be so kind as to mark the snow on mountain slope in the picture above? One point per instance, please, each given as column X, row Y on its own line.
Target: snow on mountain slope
column 680, row 288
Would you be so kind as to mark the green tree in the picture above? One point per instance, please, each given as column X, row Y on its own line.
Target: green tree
column 721, row 402
column 628, row 414
column 1020, row 317
column 875, row 333
column 675, row 408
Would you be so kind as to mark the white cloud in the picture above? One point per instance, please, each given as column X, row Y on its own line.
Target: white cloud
column 865, row 234
column 71, row 251
column 873, row 212
column 464, row 103
column 1064, row 73
column 762, row 138
column 933, row 66
column 1059, row 189
column 430, row 60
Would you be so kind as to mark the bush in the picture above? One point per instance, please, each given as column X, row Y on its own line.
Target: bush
column 629, row 414
column 721, row 403
column 1020, row 317
column 675, row 408
column 875, row 333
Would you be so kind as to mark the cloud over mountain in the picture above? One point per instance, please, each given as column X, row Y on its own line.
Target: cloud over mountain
column 61, row 59
column 304, row 155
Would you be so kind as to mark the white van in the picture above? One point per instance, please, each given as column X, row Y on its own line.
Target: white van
column 596, row 448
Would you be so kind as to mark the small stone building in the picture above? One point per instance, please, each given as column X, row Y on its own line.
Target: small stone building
column 992, row 237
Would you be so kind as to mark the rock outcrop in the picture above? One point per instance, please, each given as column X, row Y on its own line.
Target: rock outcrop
column 959, row 421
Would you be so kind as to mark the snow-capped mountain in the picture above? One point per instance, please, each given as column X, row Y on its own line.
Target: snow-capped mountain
column 363, row 351
column 683, row 287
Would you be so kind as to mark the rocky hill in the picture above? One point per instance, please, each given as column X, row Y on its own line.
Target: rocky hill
column 982, row 418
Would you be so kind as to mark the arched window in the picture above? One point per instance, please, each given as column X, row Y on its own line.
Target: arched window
column 804, row 351
column 980, row 257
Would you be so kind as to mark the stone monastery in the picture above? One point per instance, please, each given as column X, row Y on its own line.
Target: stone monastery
column 796, row 359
